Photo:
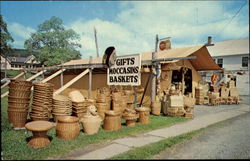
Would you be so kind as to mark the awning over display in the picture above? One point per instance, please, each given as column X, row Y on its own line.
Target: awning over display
column 203, row 59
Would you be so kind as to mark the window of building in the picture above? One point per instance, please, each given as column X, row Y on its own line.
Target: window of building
column 220, row 62
column 245, row 61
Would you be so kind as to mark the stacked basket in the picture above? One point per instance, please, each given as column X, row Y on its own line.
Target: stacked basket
column 18, row 102
column 78, row 105
column 42, row 101
column 103, row 101
column 62, row 106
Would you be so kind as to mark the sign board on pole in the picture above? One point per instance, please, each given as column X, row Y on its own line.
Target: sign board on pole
column 125, row 71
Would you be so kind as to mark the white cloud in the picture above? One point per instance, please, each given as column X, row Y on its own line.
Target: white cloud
column 19, row 33
column 20, row 30
column 135, row 27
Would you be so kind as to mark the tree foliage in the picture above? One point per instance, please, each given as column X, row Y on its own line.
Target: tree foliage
column 5, row 37
column 53, row 42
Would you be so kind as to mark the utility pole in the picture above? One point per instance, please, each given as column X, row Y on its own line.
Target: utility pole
column 153, row 80
column 97, row 52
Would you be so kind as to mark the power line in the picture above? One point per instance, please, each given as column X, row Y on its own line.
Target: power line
column 232, row 18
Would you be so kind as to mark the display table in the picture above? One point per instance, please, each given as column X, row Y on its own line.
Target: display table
column 39, row 130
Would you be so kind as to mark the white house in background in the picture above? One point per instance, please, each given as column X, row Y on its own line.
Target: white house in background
column 3, row 61
column 233, row 57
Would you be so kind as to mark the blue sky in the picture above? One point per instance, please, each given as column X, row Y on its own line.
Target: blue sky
column 131, row 26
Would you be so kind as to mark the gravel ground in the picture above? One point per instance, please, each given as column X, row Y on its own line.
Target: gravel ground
column 229, row 139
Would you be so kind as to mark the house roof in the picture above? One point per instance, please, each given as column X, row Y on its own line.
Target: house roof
column 203, row 59
column 14, row 59
column 229, row 47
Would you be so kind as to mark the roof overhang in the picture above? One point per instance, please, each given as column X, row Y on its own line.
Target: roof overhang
column 203, row 60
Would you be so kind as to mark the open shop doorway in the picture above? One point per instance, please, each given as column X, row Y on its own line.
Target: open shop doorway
column 177, row 76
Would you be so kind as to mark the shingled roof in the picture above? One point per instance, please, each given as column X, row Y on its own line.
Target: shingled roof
column 229, row 47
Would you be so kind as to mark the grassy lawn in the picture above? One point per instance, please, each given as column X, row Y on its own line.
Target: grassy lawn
column 148, row 151
column 13, row 73
column 14, row 144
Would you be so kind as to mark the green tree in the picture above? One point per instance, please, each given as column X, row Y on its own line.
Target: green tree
column 53, row 42
column 5, row 37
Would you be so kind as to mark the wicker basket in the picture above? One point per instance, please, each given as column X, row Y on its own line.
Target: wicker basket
column 17, row 118
column 91, row 124
column 101, row 108
column 18, row 105
column 156, row 107
column 67, row 127
column 20, row 93
column 20, row 85
column 18, row 99
column 112, row 121
column 101, row 98
column 143, row 115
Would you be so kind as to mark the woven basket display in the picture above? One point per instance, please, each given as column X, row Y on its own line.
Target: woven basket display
column 18, row 99
column 39, row 130
column 62, row 105
column 18, row 102
column 143, row 114
column 17, row 118
column 20, row 85
column 101, row 109
column 18, row 105
column 101, row 98
column 19, row 93
column 42, row 101
column 76, row 96
column 156, row 107
column 112, row 121
column 130, row 118
column 117, row 96
column 67, row 127
column 91, row 124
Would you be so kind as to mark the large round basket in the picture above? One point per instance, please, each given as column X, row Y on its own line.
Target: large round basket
column 143, row 114
column 91, row 124
column 112, row 121
column 67, row 127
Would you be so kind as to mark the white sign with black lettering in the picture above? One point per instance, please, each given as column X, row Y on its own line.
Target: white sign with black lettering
column 125, row 71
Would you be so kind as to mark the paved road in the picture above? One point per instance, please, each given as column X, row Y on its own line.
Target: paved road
column 229, row 139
